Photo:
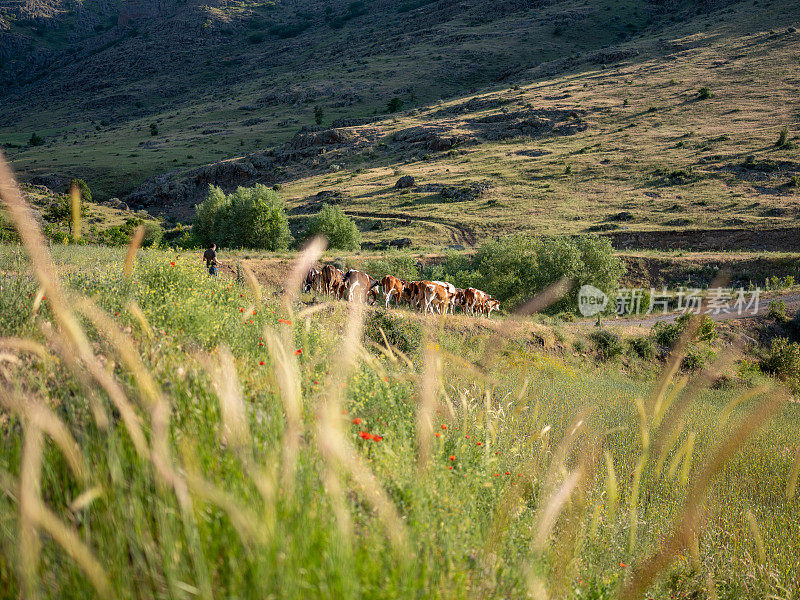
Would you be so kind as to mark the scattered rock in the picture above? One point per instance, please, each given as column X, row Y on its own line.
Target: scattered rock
column 406, row 181
column 115, row 203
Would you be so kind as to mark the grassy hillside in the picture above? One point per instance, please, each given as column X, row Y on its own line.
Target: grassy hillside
column 243, row 77
column 500, row 468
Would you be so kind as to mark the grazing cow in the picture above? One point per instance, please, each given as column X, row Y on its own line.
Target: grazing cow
column 458, row 299
column 491, row 304
column 451, row 295
column 357, row 285
column 331, row 279
column 312, row 280
column 436, row 297
column 474, row 300
column 391, row 287
column 412, row 293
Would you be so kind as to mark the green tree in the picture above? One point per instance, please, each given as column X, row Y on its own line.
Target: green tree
column 394, row 105
column 86, row 192
column 247, row 218
column 337, row 227
column 319, row 114
column 36, row 140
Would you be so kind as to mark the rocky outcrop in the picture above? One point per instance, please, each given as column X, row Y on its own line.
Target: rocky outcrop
column 406, row 181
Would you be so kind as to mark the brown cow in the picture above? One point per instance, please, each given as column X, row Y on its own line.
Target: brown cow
column 436, row 297
column 474, row 300
column 312, row 280
column 358, row 286
column 490, row 305
column 412, row 293
column 331, row 279
column 391, row 287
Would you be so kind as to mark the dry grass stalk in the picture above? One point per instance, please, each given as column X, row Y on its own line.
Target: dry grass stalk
column 133, row 248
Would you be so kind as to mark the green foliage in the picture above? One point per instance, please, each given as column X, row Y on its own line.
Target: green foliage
column 607, row 345
column 319, row 114
column 290, row 29
column 36, row 140
column 339, row 229
column 783, row 360
column 695, row 358
column 153, row 129
column 394, row 105
column 666, row 334
column 247, row 218
column 400, row 331
column 783, row 136
column 704, row 93
column 153, row 234
column 643, row 347
column 401, row 265
column 86, row 192
column 777, row 311
column 515, row 268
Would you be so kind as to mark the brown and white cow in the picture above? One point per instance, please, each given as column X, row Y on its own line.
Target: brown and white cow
column 451, row 295
column 490, row 305
column 412, row 293
column 436, row 297
column 474, row 300
column 391, row 287
column 312, row 280
column 357, row 286
column 331, row 279
column 459, row 299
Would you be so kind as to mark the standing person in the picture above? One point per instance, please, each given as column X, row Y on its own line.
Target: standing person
column 210, row 256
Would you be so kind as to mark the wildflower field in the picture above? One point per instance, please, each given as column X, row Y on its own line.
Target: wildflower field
column 168, row 434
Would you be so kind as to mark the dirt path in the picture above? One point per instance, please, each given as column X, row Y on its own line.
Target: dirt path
column 459, row 233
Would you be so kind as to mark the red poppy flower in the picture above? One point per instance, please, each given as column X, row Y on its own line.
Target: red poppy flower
column 444, row 426
column 497, row 474
column 172, row 264
column 438, row 434
column 365, row 435
column 479, row 443
column 622, row 564
column 377, row 438
column 450, row 468
column 254, row 311
column 298, row 352
column 316, row 382
column 356, row 421
column 452, row 457
column 508, row 472
column 261, row 363
column 386, row 379
column 468, row 437
column 284, row 321
column 241, row 309
column 116, row 314
column 260, row 343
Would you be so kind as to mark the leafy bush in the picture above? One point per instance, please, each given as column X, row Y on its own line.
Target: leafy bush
column 704, row 93
column 515, row 268
column 400, row 265
column 607, row 344
column 401, row 332
column 782, row 137
column 695, row 358
column 153, row 129
column 643, row 347
column 337, row 227
column 783, row 361
column 86, row 192
column 153, row 234
column 777, row 311
column 247, row 218
column 666, row 334
column 36, row 140
column 394, row 105
column 319, row 114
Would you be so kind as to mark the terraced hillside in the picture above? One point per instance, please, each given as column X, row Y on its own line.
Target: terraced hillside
column 583, row 116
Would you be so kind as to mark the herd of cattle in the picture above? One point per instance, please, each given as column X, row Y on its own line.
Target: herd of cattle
column 427, row 296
